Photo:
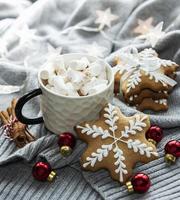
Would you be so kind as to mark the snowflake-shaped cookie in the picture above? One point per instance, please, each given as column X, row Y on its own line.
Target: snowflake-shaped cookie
column 116, row 142
column 143, row 70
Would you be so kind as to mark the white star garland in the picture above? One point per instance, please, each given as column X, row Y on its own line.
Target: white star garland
column 105, row 18
column 143, row 26
column 53, row 52
column 95, row 50
column 49, row 54
column 154, row 34
column 26, row 35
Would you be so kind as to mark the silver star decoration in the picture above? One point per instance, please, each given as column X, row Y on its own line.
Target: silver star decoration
column 144, row 26
column 26, row 35
column 105, row 18
column 95, row 50
column 43, row 53
column 53, row 52
column 154, row 34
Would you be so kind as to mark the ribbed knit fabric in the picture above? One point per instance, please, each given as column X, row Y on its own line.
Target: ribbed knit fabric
column 48, row 18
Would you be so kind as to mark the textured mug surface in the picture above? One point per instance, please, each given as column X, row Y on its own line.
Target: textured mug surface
column 62, row 113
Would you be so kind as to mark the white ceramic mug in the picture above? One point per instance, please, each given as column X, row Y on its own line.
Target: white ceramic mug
column 61, row 113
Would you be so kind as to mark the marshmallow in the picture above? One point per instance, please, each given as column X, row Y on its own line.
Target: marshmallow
column 97, row 88
column 44, row 74
column 62, row 92
column 51, row 80
column 59, row 85
column 59, row 65
column 74, row 78
column 91, row 84
column 79, row 64
column 71, row 91
column 97, row 69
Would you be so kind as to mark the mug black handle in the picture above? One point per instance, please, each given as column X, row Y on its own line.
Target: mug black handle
column 20, row 104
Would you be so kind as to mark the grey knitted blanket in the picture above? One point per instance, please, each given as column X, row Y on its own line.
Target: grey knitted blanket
column 23, row 50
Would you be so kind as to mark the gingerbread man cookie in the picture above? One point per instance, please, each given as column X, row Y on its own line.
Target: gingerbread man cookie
column 116, row 143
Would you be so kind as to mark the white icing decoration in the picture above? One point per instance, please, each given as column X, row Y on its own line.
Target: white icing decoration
column 111, row 118
column 148, row 52
column 134, row 126
column 133, row 80
column 133, row 62
column 158, row 77
column 121, row 167
column 142, row 148
column 166, row 63
column 161, row 101
column 99, row 155
column 94, row 131
column 131, row 98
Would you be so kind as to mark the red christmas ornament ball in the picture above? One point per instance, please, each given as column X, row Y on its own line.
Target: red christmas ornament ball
column 173, row 148
column 155, row 133
column 41, row 171
column 141, row 182
column 67, row 139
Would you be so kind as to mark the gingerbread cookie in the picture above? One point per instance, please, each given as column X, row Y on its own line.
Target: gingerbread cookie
column 139, row 81
column 155, row 105
column 146, row 93
column 116, row 143
column 137, row 73
column 167, row 66
column 155, row 88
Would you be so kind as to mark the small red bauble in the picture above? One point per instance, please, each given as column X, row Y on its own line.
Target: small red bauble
column 173, row 147
column 66, row 139
column 139, row 183
column 154, row 134
column 66, row 143
column 172, row 150
column 42, row 171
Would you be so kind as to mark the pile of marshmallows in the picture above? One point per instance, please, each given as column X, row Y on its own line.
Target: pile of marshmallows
column 76, row 78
